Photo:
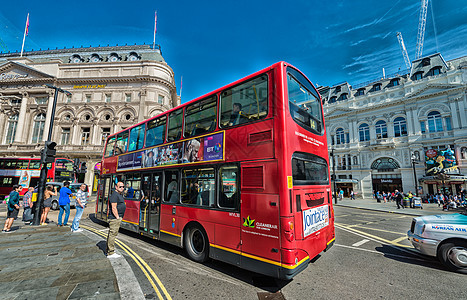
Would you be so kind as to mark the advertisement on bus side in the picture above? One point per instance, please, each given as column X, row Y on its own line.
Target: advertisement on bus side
column 206, row 148
column 315, row 219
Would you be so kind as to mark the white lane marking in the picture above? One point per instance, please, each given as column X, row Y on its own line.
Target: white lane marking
column 358, row 244
column 375, row 240
column 361, row 249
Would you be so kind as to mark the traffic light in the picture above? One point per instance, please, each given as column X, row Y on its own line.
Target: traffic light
column 48, row 153
column 76, row 165
column 83, row 168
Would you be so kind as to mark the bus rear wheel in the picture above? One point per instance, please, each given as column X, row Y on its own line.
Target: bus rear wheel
column 196, row 243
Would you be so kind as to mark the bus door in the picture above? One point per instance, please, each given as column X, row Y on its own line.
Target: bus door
column 103, row 199
column 150, row 202
column 171, row 196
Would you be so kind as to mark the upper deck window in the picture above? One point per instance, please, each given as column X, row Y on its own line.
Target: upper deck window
column 304, row 103
column 200, row 117
column 175, row 125
column 136, row 138
column 122, row 142
column 109, row 149
column 155, row 132
column 245, row 103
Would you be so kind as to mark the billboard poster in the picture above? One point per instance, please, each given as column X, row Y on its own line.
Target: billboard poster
column 206, row 148
column 440, row 161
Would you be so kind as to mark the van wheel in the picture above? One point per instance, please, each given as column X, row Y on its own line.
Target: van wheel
column 196, row 243
column 454, row 256
column 54, row 205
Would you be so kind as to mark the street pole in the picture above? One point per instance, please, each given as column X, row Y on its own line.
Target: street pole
column 415, row 174
column 334, row 175
column 43, row 178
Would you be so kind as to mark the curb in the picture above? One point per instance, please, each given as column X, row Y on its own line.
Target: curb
column 379, row 210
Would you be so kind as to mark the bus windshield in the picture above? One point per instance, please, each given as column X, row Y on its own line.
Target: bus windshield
column 304, row 103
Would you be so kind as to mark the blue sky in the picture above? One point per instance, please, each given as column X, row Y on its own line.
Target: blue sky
column 212, row 43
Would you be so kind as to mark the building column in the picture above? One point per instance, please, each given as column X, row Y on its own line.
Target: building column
column 410, row 122
column 352, row 131
column 95, row 134
column 390, row 126
column 48, row 116
column 372, row 132
column 3, row 126
column 463, row 120
column 75, row 135
column 19, row 137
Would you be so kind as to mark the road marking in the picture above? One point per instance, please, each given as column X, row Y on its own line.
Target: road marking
column 399, row 239
column 379, row 239
column 376, row 239
column 140, row 262
column 385, row 254
column 382, row 230
column 358, row 244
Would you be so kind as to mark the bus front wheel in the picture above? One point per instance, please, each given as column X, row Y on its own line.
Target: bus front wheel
column 196, row 243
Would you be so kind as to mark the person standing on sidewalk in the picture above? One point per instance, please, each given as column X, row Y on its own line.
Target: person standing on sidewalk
column 352, row 195
column 81, row 200
column 27, row 205
column 399, row 199
column 13, row 208
column 64, row 202
column 118, row 207
column 47, row 204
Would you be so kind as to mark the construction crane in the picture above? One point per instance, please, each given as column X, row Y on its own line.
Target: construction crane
column 421, row 28
column 408, row 64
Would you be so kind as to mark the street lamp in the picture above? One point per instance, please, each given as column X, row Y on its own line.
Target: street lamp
column 333, row 177
column 48, row 151
column 414, row 162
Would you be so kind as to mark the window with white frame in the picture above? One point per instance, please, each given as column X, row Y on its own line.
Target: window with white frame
column 88, row 98
column 400, row 127
column 435, row 123
column 65, row 140
column 381, row 129
column 12, row 124
column 85, row 135
column 38, row 129
column 340, row 136
column 105, row 132
column 364, row 132
column 160, row 99
column 127, row 97
column 108, row 98
column 41, row 100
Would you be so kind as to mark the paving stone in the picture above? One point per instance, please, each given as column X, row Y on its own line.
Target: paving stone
column 94, row 289
column 35, row 284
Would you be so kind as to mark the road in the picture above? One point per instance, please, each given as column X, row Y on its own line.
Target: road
column 370, row 259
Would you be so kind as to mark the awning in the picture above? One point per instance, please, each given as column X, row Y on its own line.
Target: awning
column 455, row 179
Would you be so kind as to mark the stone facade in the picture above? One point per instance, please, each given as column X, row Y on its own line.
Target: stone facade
column 111, row 88
column 378, row 129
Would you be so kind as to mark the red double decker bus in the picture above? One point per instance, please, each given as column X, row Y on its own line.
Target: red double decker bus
column 240, row 175
column 26, row 172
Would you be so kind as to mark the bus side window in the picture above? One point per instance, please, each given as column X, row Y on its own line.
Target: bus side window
column 155, row 131
column 109, row 149
column 229, row 196
column 200, row 117
column 172, row 194
column 175, row 125
column 245, row 103
column 122, row 142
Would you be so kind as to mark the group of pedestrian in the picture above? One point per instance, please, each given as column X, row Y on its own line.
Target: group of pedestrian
column 14, row 204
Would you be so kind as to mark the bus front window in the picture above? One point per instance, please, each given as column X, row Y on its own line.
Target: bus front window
column 304, row 103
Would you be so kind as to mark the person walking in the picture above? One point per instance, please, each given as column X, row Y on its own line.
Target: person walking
column 64, row 202
column 352, row 195
column 13, row 208
column 341, row 195
column 49, row 192
column 398, row 197
column 81, row 201
column 27, row 205
column 117, row 210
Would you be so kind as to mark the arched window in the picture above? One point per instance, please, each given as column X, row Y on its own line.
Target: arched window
column 435, row 71
column 400, row 127
column 417, row 76
column 333, row 99
column 38, row 130
column 12, row 124
column 385, row 164
column 360, row 92
column 394, row 82
column 364, row 132
column 343, row 96
column 340, row 136
column 435, row 123
column 381, row 130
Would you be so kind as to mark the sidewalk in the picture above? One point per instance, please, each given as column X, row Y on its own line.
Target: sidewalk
column 50, row 262
column 371, row 204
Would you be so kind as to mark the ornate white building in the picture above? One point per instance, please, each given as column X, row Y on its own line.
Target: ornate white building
column 111, row 89
column 377, row 129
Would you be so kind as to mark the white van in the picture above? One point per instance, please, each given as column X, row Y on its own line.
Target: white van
column 74, row 187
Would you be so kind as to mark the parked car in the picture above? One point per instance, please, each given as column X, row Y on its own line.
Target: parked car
column 74, row 187
column 444, row 237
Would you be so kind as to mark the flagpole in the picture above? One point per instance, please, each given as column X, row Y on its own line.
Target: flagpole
column 181, row 86
column 155, row 29
column 24, row 36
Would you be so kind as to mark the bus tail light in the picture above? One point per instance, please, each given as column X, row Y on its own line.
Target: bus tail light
column 289, row 231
